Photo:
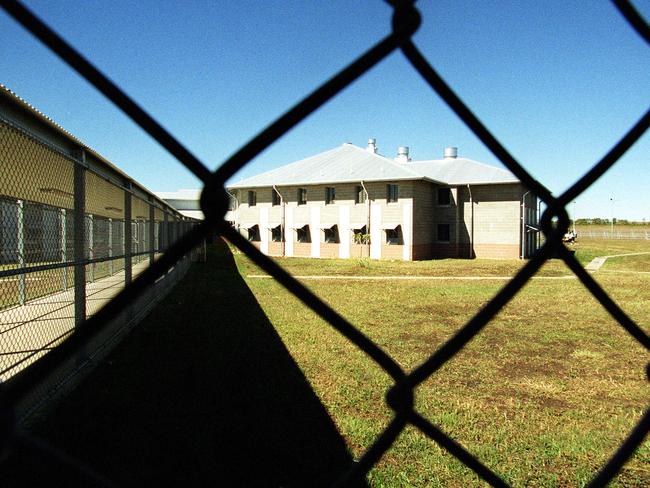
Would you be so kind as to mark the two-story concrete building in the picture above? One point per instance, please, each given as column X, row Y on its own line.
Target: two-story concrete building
column 353, row 202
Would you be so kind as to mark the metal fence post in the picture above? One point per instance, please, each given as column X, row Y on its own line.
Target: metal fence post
column 165, row 232
column 64, row 250
column 110, row 246
column 152, row 231
column 80, row 240
column 20, row 244
column 128, row 238
column 91, row 245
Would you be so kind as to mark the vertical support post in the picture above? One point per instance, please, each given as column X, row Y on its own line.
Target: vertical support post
column 20, row 249
column 128, row 237
column 80, row 240
column 110, row 246
column 165, row 232
column 152, row 230
column 64, row 248
column 91, row 246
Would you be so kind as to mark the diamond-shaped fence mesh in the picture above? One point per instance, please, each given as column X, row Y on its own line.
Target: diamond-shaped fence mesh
column 37, row 228
column 52, row 277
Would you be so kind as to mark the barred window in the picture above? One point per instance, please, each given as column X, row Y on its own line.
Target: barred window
column 303, row 234
column 276, row 234
column 302, row 196
column 330, row 195
column 360, row 195
column 392, row 193
column 331, row 235
column 254, row 233
column 394, row 236
column 275, row 197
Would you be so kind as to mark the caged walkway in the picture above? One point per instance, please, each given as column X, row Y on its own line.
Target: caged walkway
column 27, row 330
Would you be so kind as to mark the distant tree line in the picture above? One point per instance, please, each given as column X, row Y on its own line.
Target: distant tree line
column 599, row 221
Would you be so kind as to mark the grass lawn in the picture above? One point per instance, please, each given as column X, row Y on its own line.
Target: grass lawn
column 543, row 395
column 371, row 267
column 589, row 248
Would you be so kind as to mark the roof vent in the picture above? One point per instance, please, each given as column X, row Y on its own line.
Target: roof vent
column 402, row 154
column 451, row 152
column 372, row 145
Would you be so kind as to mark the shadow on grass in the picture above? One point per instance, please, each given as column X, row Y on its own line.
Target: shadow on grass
column 203, row 392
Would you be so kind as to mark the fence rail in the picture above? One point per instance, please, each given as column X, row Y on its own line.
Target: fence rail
column 603, row 234
column 400, row 396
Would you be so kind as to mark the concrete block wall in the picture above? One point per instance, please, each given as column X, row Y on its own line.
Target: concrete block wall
column 496, row 221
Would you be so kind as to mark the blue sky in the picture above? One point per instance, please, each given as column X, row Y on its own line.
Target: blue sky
column 558, row 83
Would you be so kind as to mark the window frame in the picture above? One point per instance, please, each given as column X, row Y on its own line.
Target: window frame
column 392, row 193
column 252, row 198
column 333, row 238
column 256, row 236
column 359, row 195
column 275, row 198
column 277, row 230
column 330, row 195
column 395, row 240
column 302, row 196
column 306, row 234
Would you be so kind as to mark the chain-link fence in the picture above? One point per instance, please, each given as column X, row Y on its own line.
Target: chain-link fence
column 63, row 231
column 406, row 21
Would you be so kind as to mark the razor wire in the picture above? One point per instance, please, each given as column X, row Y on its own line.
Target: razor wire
column 214, row 202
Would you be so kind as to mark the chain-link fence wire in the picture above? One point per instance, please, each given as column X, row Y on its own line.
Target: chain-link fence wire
column 40, row 288
column 36, row 248
column 406, row 20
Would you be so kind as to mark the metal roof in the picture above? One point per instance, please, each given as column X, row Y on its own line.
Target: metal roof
column 461, row 171
column 349, row 163
column 9, row 96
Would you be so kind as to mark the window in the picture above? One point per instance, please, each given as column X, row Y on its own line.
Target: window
column 303, row 235
column 254, row 233
column 330, row 195
column 331, row 234
column 444, row 196
column 360, row 235
column 302, row 196
column 275, row 197
column 359, row 195
column 392, row 192
column 393, row 236
column 443, row 232
column 276, row 234
column 252, row 198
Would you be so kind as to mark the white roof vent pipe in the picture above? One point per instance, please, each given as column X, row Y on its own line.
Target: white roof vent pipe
column 372, row 146
column 402, row 154
column 451, row 152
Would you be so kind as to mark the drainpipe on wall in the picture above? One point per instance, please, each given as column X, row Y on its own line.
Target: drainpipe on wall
column 471, row 233
column 523, row 224
column 539, row 232
column 368, row 221
column 282, row 239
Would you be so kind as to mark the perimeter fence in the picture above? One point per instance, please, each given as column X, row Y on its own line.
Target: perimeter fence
column 617, row 235
column 73, row 234
column 400, row 397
